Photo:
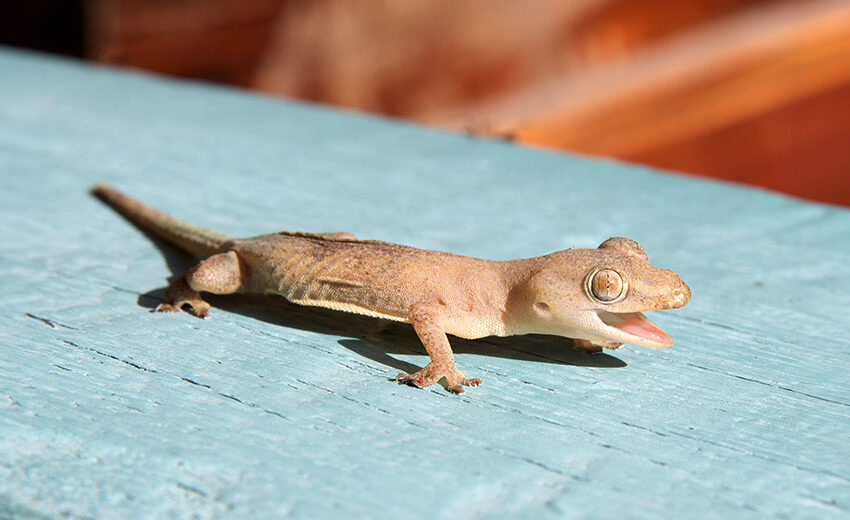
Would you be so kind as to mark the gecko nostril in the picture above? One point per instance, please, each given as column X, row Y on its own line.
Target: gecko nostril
column 683, row 293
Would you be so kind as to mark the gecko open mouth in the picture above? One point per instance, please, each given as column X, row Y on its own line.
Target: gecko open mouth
column 638, row 326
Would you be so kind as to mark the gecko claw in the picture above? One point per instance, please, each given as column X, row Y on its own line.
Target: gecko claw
column 457, row 389
column 455, row 379
column 410, row 380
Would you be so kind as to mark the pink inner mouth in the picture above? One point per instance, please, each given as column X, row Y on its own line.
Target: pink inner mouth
column 637, row 324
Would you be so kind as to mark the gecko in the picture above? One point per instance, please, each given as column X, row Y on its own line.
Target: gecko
column 596, row 297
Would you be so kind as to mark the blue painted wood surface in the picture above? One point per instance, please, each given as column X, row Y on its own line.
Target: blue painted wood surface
column 108, row 410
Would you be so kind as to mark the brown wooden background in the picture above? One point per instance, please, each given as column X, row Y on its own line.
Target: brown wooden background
column 754, row 91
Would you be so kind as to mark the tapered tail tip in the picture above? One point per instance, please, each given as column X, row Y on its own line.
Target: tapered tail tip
column 98, row 190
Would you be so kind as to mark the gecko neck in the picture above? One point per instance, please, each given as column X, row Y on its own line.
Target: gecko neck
column 517, row 314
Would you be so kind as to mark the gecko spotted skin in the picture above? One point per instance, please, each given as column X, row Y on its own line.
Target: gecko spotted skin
column 595, row 296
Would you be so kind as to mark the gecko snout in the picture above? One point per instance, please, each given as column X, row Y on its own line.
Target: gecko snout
column 680, row 295
column 674, row 292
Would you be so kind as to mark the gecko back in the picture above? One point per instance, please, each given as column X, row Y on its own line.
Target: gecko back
column 367, row 277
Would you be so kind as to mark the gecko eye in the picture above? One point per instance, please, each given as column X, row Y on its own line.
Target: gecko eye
column 606, row 286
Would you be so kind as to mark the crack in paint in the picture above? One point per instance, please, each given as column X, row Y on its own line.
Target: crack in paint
column 50, row 323
column 185, row 379
column 771, row 385
column 191, row 489
column 533, row 462
column 233, row 398
column 110, row 356
column 347, row 398
column 735, row 449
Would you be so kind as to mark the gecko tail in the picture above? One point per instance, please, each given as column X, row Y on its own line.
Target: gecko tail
column 198, row 241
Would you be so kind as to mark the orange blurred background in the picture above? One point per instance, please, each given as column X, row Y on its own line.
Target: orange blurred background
column 753, row 91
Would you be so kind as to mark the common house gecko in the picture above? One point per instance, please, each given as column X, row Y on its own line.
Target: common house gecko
column 594, row 296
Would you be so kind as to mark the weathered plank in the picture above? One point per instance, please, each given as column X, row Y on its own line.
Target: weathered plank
column 265, row 410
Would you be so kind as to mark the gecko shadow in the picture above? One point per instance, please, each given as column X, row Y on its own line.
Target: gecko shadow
column 376, row 339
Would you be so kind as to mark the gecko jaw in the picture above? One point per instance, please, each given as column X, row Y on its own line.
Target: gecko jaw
column 635, row 328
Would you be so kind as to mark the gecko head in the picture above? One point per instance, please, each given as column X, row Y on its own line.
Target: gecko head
column 600, row 294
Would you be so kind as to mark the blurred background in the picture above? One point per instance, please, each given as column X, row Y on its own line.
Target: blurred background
column 753, row 91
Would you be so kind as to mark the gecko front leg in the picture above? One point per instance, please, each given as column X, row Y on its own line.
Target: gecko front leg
column 442, row 364
column 218, row 274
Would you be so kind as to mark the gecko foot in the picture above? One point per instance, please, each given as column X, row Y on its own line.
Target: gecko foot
column 432, row 373
column 179, row 294
column 200, row 307
column 592, row 347
column 166, row 307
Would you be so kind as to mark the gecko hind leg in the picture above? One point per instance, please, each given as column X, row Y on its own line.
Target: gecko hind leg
column 442, row 363
column 218, row 274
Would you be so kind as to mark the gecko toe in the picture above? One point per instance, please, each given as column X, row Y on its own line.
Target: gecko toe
column 410, row 380
column 455, row 389
column 166, row 307
column 200, row 308
column 434, row 372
